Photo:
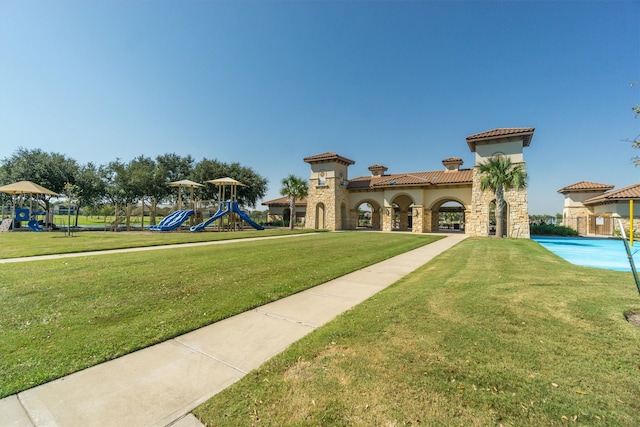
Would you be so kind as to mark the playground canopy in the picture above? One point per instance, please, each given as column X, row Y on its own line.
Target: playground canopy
column 184, row 183
column 222, row 183
column 226, row 181
column 26, row 187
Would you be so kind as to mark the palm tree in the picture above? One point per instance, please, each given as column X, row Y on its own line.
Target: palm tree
column 295, row 188
column 500, row 175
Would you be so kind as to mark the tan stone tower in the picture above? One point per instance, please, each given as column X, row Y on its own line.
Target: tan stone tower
column 328, row 198
column 508, row 142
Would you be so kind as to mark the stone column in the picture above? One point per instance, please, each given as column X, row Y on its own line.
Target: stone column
column 375, row 219
column 387, row 218
column 418, row 224
column 404, row 220
column 518, row 221
column 353, row 219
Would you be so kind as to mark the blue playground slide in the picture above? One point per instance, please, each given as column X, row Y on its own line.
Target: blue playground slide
column 34, row 225
column 221, row 212
column 230, row 207
column 243, row 215
column 173, row 220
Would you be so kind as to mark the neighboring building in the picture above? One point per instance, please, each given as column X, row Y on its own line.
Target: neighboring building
column 592, row 208
column 280, row 210
column 417, row 201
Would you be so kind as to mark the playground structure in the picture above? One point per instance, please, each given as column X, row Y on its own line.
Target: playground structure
column 226, row 208
column 173, row 220
column 22, row 213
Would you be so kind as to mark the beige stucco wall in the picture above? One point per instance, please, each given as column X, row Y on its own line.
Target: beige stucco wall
column 328, row 170
column 415, row 194
column 434, row 197
column 511, row 148
column 426, row 197
column 356, row 198
column 620, row 208
column 576, row 199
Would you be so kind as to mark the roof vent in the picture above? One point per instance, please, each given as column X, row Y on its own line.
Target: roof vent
column 377, row 170
column 452, row 164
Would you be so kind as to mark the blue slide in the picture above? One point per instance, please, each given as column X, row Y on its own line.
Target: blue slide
column 230, row 207
column 217, row 215
column 34, row 225
column 243, row 215
column 173, row 220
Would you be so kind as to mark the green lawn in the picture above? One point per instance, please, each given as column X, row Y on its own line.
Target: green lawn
column 62, row 315
column 21, row 244
column 492, row 332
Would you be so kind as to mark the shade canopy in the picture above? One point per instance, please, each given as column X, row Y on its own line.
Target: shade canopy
column 225, row 181
column 185, row 183
column 26, row 187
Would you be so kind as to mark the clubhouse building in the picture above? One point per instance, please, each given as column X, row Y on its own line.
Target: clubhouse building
column 420, row 202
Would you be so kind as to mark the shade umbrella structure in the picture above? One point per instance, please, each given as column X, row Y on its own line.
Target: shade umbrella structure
column 223, row 182
column 25, row 187
column 184, row 183
column 226, row 181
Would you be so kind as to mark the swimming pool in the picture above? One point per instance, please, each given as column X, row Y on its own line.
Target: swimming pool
column 600, row 253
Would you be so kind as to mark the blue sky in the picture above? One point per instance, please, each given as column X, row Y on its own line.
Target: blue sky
column 267, row 83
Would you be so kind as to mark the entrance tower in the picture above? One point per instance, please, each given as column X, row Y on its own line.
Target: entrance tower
column 508, row 142
column 328, row 198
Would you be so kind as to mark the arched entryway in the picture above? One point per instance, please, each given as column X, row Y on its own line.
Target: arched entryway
column 448, row 216
column 402, row 220
column 368, row 216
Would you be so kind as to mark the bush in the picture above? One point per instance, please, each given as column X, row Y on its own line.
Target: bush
column 551, row 230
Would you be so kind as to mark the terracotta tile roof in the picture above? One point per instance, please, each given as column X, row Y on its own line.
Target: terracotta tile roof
column 400, row 179
column 452, row 159
column 328, row 157
column 364, row 182
column 462, row 176
column 526, row 133
column 585, row 186
column 625, row 193
column 282, row 201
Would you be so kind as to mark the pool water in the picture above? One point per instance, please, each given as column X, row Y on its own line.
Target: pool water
column 600, row 253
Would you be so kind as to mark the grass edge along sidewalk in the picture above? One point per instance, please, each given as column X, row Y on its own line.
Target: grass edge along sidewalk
column 27, row 244
column 61, row 316
column 492, row 332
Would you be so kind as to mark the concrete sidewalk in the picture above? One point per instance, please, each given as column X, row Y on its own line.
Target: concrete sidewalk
column 160, row 385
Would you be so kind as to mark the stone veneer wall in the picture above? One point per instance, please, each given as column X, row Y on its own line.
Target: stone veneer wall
column 418, row 219
column 332, row 195
column 477, row 221
column 570, row 215
column 387, row 220
column 625, row 224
